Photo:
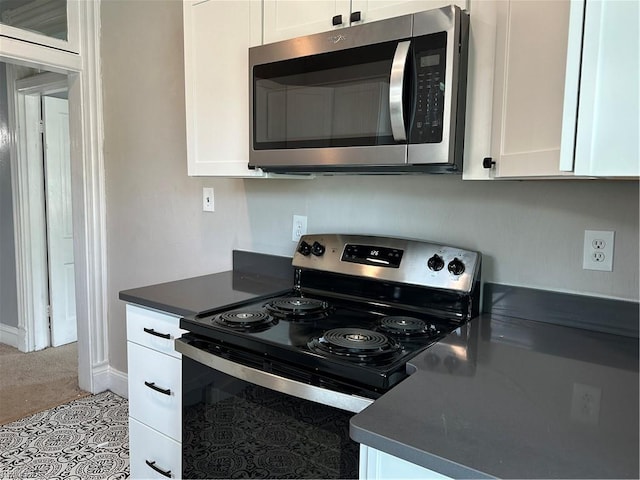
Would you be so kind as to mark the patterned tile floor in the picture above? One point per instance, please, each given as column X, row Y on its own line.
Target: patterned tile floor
column 82, row 440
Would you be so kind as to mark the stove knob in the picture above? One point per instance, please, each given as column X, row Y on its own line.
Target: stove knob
column 317, row 249
column 456, row 267
column 435, row 263
column 304, row 248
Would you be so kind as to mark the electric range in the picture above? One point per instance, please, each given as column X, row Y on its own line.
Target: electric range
column 360, row 307
column 269, row 385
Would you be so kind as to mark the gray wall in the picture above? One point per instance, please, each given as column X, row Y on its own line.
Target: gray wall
column 8, row 292
column 530, row 233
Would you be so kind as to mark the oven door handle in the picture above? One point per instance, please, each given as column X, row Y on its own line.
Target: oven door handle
column 343, row 401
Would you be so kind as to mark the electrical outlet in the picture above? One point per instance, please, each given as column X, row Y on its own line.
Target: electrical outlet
column 598, row 250
column 299, row 227
column 585, row 404
column 207, row 200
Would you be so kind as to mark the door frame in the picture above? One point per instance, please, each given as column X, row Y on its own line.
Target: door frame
column 88, row 197
column 29, row 203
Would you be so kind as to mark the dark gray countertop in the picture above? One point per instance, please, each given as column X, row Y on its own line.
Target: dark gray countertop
column 197, row 295
column 514, row 398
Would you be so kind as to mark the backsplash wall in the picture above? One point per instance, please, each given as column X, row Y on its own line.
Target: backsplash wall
column 530, row 233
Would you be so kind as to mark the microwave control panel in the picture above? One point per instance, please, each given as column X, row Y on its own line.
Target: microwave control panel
column 429, row 55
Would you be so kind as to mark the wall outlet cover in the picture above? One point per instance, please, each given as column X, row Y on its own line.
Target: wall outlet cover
column 598, row 250
column 299, row 227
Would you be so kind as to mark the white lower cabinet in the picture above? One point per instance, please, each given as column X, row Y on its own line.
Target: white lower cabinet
column 377, row 465
column 153, row 455
column 155, row 394
column 155, row 390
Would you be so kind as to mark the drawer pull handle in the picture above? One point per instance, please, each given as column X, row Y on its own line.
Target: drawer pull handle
column 159, row 470
column 152, row 386
column 151, row 331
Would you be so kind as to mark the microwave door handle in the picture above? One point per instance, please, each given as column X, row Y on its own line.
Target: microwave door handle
column 396, row 93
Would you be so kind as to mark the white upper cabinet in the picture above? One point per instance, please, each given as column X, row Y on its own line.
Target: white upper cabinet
column 478, row 120
column 373, row 10
column 48, row 23
column 529, row 85
column 607, row 128
column 217, row 36
column 285, row 19
column 565, row 94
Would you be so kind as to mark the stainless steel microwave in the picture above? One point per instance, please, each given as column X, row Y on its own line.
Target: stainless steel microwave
column 381, row 97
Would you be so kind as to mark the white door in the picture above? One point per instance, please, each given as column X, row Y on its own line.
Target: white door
column 59, row 220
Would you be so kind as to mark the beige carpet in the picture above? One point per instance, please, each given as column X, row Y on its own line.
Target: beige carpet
column 36, row 381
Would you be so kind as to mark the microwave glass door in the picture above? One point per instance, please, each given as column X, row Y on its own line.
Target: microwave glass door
column 336, row 99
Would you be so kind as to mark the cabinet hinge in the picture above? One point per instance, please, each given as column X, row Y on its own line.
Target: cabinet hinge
column 40, row 126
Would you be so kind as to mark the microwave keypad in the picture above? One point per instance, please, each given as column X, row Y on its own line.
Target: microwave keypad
column 429, row 103
column 429, row 61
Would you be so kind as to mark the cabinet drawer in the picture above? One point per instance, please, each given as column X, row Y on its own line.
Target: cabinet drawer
column 150, row 451
column 153, row 329
column 155, row 389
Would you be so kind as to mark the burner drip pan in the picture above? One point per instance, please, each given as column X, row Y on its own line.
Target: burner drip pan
column 409, row 326
column 245, row 321
column 355, row 344
column 298, row 308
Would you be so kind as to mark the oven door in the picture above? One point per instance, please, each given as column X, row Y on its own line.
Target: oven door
column 239, row 421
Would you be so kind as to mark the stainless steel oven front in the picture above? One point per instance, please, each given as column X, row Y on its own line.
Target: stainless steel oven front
column 240, row 421
column 270, row 384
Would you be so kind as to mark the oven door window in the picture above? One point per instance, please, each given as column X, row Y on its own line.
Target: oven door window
column 234, row 429
column 337, row 99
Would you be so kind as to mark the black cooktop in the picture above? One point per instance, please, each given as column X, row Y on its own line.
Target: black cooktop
column 351, row 342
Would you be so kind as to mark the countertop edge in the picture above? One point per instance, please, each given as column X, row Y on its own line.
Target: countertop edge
column 411, row 454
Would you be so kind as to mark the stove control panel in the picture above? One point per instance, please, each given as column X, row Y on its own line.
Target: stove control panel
column 390, row 259
column 372, row 255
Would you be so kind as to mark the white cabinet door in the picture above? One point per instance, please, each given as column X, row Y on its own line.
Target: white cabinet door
column 155, row 389
column 377, row 465
column 530, row 65
column 285, row 19
column 217, row 35
column 152, row 454
column 154, row 330
column 607, row 127
column 478, row 120
column 373, row 10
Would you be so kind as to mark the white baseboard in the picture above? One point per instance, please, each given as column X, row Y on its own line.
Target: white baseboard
column 9, row 335
column 119, row 382
column 108, row 378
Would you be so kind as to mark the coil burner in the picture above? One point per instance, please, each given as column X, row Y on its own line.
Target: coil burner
column 407, row 326
column 355, row 344
column 298, row 308
column 246, row 321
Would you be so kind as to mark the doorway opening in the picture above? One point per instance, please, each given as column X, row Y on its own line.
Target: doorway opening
column 40, row 117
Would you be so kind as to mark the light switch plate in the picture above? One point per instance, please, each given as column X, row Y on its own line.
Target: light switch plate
column 207, row 200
